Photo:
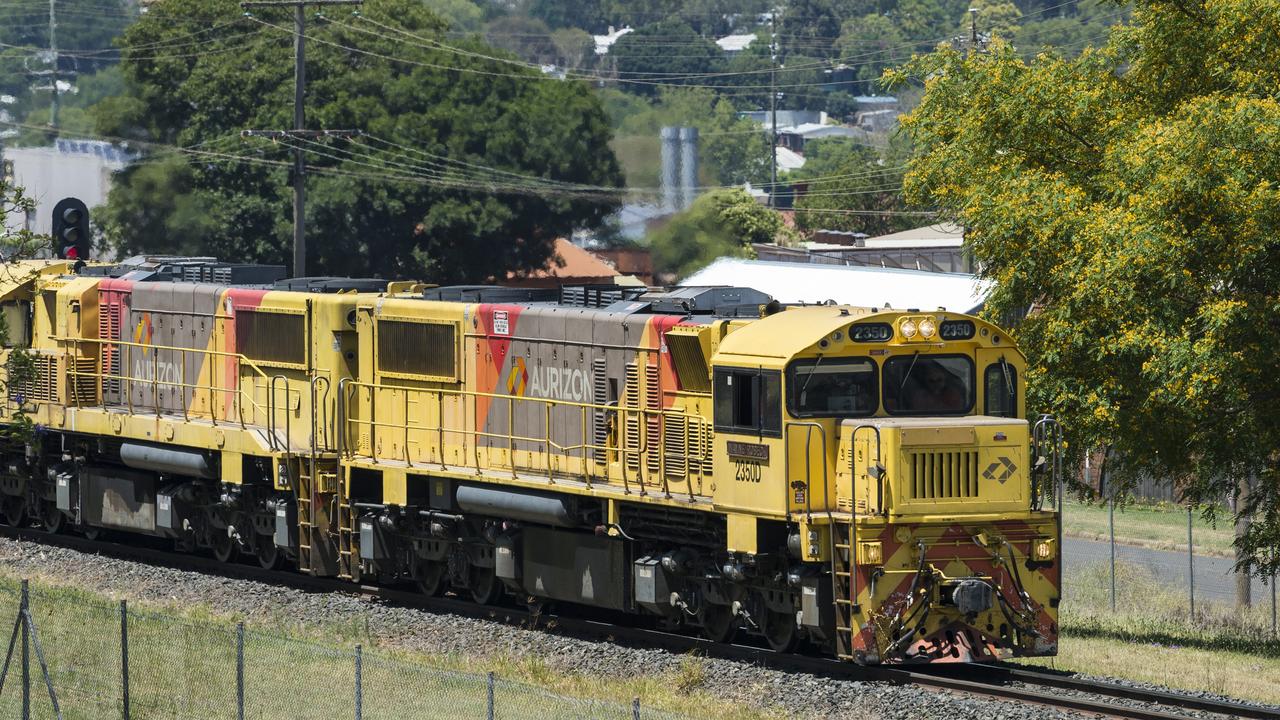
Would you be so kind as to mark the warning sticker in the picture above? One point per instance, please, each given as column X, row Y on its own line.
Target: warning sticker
column 500, row 324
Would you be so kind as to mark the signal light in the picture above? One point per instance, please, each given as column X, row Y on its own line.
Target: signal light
column 71, row 230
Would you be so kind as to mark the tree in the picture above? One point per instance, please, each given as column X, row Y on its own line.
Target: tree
column 858, row 189
column 1129, row 196
column 718, row 224
column 524, row 37
column 998, row 18
column 663, row 54
column 808, row 27
column 454, row 180
column 87, row 26
column 872, row 44
column 573, row 46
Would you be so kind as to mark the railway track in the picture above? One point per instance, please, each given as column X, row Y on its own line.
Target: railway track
column 1001, row 681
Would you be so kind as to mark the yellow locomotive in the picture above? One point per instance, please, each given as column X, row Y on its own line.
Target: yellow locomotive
column 861, row 480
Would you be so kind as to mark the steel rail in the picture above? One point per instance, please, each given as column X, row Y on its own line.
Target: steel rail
column 999, row 681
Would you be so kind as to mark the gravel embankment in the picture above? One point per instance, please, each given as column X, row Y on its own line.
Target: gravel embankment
column 430, row 633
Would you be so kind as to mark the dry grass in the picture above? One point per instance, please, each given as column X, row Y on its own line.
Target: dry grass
column 1152, row 638
column 182, row 664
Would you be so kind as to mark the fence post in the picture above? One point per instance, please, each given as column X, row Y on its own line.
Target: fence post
column 1191, row 567
column 359, row 685
column 635, row 708
column 491, row 708
column 1112, row 524
column 240, row 671
column 1273, row 605
column 124, row 657
column 24, row 612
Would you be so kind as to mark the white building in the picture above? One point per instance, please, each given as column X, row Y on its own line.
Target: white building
column 71, row 168
column 606, row 41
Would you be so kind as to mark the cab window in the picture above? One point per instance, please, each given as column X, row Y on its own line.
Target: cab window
column 748, row 401
column 928, row 385
column 832, row 387
column 1000, row 390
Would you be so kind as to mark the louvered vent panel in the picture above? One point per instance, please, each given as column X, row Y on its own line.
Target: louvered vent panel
column 675, row 443
column 653, row 421
column 82, row 384
column 690, row 365
column 109, row 329
column 631, row 418
column 599, row 417
column 42, row 386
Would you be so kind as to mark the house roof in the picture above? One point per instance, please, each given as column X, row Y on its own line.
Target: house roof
column 734, row 43
column 859, row 286
column 788, row 159
column 940, row 235
column 578, row 264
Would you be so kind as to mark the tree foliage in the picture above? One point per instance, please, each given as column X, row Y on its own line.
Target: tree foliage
column 852, row 187
column 1129, row 197
column 662, row 54
column 718, row 224
column 441, row 194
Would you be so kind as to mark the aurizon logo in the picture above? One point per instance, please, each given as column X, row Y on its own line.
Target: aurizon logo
column 518, row 378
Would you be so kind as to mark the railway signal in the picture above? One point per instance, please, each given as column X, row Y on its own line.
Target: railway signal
column 71, row 229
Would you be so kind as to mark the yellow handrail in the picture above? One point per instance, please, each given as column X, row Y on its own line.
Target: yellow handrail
column 583, row 449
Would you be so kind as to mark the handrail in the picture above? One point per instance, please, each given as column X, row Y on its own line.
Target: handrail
column 809, row 426
column 237, row 392
column 550, row 447
column 853, row 435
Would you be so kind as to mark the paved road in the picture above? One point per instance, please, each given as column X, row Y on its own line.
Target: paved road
column 1214, row 580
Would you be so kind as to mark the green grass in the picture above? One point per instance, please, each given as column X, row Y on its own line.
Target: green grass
column 183, row 664
column 1160, row 526
column 1151, row 637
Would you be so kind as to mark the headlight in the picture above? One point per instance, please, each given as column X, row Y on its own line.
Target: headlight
column 1042, row 549
column 927, row 328
column 909, row 329
column 871, row 553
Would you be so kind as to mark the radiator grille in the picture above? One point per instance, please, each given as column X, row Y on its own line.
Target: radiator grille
column 83, row 384
column 272, row 336
column 42, row 385
column 599, row 416
column 940, row 475
column 109, row 329
column 417, row 348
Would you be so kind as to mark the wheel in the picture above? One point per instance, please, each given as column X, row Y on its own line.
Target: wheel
column 15, row 510
column 718, row 623
column 429, row 576
column 267, row 552
column 51, row 518
column 485, row 587
column 780, row 631
column 223, row 547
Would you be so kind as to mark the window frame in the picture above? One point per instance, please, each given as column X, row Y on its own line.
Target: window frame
column 759, row 378
column 1012, row 394
column 973, row 386
column 809, row 362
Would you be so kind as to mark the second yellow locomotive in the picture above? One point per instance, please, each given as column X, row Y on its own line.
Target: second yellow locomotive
column 857, row 479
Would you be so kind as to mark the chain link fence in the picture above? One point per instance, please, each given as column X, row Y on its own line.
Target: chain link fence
column 1164, row 562
column 73, row 655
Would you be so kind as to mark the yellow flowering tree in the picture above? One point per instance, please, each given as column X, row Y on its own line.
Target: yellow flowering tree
column 1129, row 198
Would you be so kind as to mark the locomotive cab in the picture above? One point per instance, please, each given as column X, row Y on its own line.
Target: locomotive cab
column 897, row 445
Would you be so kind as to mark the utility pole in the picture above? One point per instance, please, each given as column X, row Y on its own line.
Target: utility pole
column 773, row 106
column 299, row 116
column 53, row 52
